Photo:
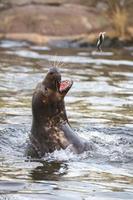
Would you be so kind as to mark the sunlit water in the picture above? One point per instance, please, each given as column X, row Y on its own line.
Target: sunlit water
column 100, row 109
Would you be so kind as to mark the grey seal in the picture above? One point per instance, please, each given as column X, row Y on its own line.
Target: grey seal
column 51, row 129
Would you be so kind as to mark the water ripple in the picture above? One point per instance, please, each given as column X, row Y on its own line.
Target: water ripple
column 70, row 59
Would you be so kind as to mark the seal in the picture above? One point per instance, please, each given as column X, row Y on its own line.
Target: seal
column 50, row 126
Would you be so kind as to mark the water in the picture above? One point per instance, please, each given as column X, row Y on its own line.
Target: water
column 100, row 109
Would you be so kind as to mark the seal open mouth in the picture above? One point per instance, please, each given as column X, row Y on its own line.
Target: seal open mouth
column 65, row 86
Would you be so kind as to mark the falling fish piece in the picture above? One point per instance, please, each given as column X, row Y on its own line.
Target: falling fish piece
column 100, row 40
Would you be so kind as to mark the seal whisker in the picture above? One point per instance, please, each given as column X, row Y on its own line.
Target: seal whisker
column 55, row 60
column 62, row 64
column 49, row 63
column 58, row 63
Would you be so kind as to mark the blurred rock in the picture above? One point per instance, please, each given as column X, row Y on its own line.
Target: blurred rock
column 56, row 22
column 130, row 31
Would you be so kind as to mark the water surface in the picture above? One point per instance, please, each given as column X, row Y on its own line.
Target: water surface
column 99, row 107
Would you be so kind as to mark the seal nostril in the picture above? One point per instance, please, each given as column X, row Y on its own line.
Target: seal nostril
column 51, row 73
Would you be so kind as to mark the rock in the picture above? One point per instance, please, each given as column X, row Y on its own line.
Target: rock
column 130, row 31
column 48, row 20
column 36, row 22
column 62, row 23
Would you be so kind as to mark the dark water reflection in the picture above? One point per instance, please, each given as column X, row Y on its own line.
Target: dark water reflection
column 100, row 108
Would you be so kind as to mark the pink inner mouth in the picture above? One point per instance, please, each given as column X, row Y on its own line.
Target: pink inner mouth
column 64, row 85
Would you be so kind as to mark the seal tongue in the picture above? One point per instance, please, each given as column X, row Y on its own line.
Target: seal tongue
column 64, row 85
